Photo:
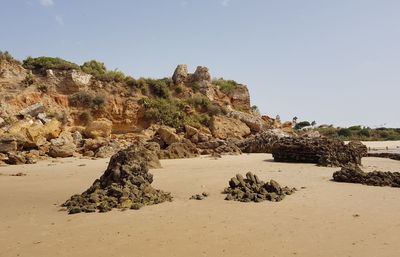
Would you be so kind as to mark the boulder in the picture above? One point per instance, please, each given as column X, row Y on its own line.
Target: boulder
column 168, row 135
column 62, row 146
column 8, row 144
column 180, row 74
column 240, row 98
column 99, row 128
column 255, row 123
column 223, row 127
column 179, row 150
column 75, row 81
column 201, row 75
column 48, row 131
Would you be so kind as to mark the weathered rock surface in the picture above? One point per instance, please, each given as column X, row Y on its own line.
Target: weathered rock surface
column 261, row 142
column 353, row 174
column 393, row 156
column 33, row 110
column 252, row 189
column 322, row 151
column 224, row 127
column 201, row 74
column 126, row 184
column 99, row 128
column 255, row 123
column 62, row 146
column 180, row 74
column 168, row 135
column 178, row 150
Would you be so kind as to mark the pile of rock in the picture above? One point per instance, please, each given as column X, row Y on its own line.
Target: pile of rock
column 253, row 189
column 126, row 184
column 261, row 142
column 353, row 174
column 323, row 151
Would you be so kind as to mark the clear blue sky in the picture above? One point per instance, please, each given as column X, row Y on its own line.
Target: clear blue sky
column 333, row 61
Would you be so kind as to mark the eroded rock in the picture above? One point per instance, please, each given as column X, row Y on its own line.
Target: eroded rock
column 252, row 189
column 126, row 184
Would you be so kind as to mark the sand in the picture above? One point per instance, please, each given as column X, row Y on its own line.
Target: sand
column 323, row 219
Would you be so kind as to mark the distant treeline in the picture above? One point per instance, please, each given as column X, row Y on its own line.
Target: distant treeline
column 360, row 133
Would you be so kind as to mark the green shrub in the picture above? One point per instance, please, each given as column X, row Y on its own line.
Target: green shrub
column 164, row 111
column 41, row 64
column 344, row 132
column 171, row 113
column 355, row 127
column 226, row 86
column 255, row 109
column 86, row 100
column 195, row 86
column 99, row 71
column 363, row 132
column 302, row 124
column 160, row 88
column 130, row 81
column 28, row 80
column 199, row 101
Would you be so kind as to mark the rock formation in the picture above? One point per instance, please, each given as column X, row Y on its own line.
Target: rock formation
column 353, row 174
column 322, row 151
column 253, row 189
column 126, row 184
column 393, row 156
column 261, row 142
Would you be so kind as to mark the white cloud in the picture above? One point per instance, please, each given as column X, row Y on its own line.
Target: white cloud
column 59, row 20
column 46, row 3
column 225, row 3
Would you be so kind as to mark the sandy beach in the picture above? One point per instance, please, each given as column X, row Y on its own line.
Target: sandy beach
column 323, row 218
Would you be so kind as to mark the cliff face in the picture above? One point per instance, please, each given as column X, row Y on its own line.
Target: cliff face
column 72, row 110
column 70, row 93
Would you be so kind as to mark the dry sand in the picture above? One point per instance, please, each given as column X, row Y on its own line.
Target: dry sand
column 324, row 219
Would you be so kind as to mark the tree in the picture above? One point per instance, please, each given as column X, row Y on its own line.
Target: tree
column 313, row 123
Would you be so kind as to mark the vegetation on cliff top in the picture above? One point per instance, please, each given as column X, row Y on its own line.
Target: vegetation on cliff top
column 360, row 133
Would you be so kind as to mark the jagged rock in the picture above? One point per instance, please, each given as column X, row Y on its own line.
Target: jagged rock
column 75, row 81
column 33, row 110
column 168, row 135
column 38, row 134
column 180, row 74
column 105, row 151
column 255, row 123
column 322, row 151
column 261, row 142
column 190, row 131
column 201, row 74
column 223, row 127
column 99, row 128
column 253, row 189
column 353, row 174
column 240, row 98
column 125, row 184
column 201, row 196
column 184, row 149
column 77, row 138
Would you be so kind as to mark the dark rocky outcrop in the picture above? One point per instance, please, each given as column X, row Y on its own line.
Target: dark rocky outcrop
column 261, row 142
column 125, row 184
column 322, row 151
column 354, row 174
column 178, row 150
column 253, row 189
column 393, row 156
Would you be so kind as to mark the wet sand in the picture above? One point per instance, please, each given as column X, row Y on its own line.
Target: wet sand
column 323, row 219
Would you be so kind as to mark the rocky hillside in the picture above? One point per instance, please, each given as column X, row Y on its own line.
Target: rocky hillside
column 52, row 107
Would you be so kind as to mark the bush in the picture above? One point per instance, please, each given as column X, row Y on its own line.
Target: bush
column 226, row 86
column 86, row 100
column 195, row 86
column 6, row 56
column 164, row 111
column 344, row 132
column 160, row 88
column 363, row 132
column 199, row 101
column 171, row 113
column 130, row 81
column 85, row 118
column 41, row 64
column 99, row 71
column 302, row 124
column 255, row 109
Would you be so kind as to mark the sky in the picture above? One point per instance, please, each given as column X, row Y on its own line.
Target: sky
column 332, row 61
